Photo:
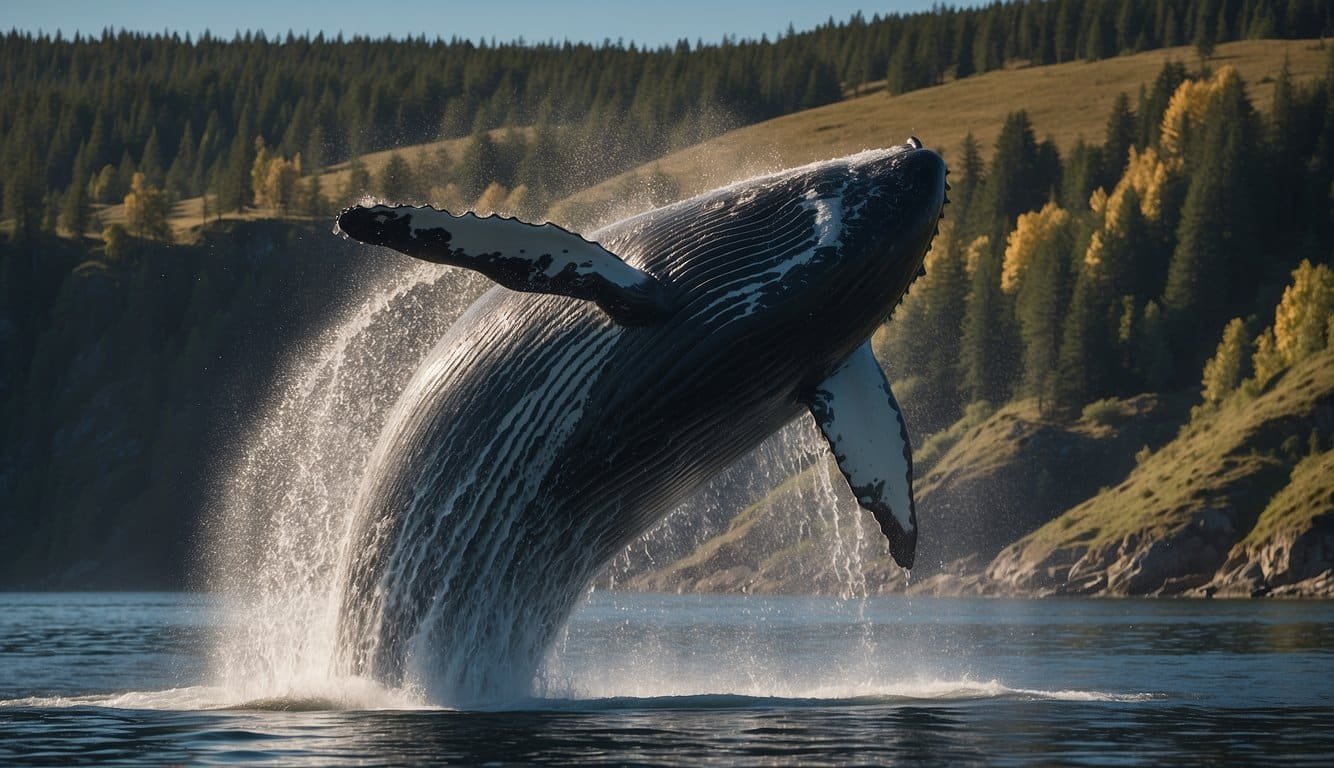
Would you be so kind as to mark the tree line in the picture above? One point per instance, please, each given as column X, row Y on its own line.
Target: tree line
column 1113, row 270
column 83, row 115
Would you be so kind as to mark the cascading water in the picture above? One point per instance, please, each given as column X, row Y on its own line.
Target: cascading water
column 281, row 542
column 281, row 535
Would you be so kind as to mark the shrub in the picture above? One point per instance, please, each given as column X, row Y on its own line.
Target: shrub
column 1106, row 412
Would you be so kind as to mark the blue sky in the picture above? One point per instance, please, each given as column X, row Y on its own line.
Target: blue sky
column 654, row 23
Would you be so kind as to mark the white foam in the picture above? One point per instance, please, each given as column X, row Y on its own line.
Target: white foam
column 331, row 694
column 351, row 694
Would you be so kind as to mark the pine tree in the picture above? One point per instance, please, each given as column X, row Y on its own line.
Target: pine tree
column 944, row 292
column 1152, row 351
column 986, row 357
column 1041, row 295
column 1217, row 257
column 358, row 181
column 1153, row 104
column 1225, row 371
column 963, row 192
column 150, row 163
column 1120, row 137
column 234, row 186
column 1082, row 174
column 1206, row 28
column 1082, row 369
column 477, row 166
column 76, row 210
column 395, row 183
column 1013, row 183
column 178, row 181
column 1201, row 255
column 23, row 198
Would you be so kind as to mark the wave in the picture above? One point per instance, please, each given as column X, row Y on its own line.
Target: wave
column 362, row 695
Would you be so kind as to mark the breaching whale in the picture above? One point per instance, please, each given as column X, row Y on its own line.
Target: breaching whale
column 572, row 408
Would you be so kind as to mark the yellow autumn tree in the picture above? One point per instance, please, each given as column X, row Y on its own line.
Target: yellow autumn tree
column 942, row 242
column 259, row 170
column 1227, row 368
column 1266, row 362
column 280, row 184
column 146, row 209
column 448, row 198
column 1185, row 110
column 1030, row 232
column 492, row 200
column 523, row 203
column 973, row 254
column 1301, row 322
column 1148, row 174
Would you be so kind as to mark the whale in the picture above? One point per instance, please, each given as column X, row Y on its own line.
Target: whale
column 602, row 381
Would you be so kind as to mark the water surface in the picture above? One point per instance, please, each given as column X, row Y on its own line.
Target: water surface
column 653, row 679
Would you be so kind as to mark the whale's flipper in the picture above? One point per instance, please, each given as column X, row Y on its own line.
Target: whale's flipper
column 861, row 420
column 538, row 258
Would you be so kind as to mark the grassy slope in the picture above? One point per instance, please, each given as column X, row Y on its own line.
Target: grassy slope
column 975, row 499
column 1065, row 101
column 1171, row 524
column 1301, row 505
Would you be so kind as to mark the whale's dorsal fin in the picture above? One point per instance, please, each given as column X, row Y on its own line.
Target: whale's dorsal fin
column 537, row 258
column 861, row 420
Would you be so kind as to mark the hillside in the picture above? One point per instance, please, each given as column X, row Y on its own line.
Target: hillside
column 1065, row 101
column 118, row 356
column 1003, row 478
column 122, row 377
column 1234, row 505
column 1234, row 485
column 187, row 215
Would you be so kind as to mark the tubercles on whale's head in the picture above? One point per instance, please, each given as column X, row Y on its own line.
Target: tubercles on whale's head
column 893, row 202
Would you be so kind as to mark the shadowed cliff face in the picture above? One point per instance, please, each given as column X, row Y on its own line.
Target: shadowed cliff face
column 121, row 380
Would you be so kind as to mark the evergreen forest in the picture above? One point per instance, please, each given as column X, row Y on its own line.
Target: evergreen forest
column 83, row 115
column 1184, row 251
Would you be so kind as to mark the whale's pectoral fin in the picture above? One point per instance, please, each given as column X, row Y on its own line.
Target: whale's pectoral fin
column 861, row 420
column 537, row 258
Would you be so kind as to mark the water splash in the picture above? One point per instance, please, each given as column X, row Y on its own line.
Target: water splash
column 281, row 544
column 281, row 533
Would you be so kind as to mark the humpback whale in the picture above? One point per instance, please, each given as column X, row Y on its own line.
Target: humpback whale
column 607, row 378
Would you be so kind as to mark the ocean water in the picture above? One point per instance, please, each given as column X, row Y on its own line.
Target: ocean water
column 689, row 680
